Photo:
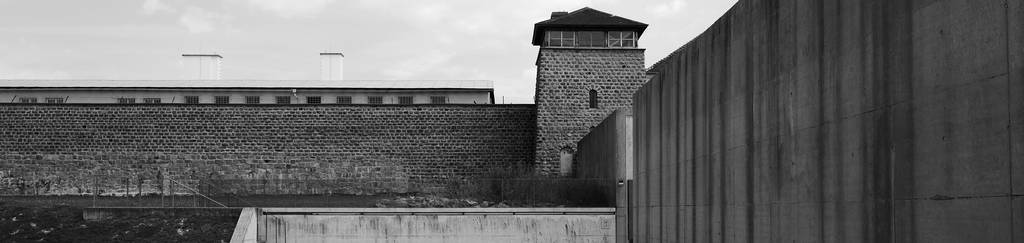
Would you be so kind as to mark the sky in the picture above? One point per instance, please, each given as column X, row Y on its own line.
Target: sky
column 282, row 39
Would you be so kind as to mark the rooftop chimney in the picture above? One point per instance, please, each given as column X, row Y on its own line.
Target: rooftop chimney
column 202, row 66
column 558, row 14
column 330, row 65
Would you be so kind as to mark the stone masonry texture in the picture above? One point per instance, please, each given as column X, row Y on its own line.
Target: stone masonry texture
column 564, row 79
column 837, row 121
column 84, row 149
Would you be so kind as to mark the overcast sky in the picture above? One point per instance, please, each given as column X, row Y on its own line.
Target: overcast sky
column 281, row 39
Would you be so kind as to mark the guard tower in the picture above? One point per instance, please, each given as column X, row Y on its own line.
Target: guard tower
column 588, row 66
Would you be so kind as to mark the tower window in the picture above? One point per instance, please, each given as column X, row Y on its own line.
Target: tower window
column 593, row 98
column 252, row 99
column 151, row 100
column 125, row 100
column 221, row 99
column 313, row 100
column 28, row 100
column 405, row 100
column 191, row 99
column 376, row 100
column 561, row 38
column 438, row 100
column 283, row 99
column 54, row 100
column 344, row 99
column 621, row 39
column 591, row 39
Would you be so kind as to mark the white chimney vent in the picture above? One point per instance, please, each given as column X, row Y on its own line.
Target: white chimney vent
column 330, row 65
column 202, row 66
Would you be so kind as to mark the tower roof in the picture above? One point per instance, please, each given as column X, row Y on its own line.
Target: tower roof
column 585, row 19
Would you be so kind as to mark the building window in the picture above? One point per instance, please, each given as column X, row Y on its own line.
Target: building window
column 283, row 99
column 151, row 100
column 376, row 100
column 438, row 99
column 126, row 100
column 621, row 39
column 54, row 100
column 191, row 99
column 593, row 98
column 405, row 100
column 591, row 39
column 252, row 99
column 313, row 100
column 344, row 99
column 561, row 38
column 28, row 100
column 222, row 99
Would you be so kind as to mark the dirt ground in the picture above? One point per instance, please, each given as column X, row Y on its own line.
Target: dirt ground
column 35, row 223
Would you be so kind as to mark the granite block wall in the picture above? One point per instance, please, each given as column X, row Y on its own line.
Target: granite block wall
column 117, row 149
column 565, row 77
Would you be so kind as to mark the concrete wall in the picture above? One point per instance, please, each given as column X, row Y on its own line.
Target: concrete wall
column 438, row 225
column 607, row 153
column 838, row 121
column 72, row 149
column 247, row 227
column 565, row 77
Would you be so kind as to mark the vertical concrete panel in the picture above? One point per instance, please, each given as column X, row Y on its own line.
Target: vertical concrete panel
column 658, row 163
column 959, row 54
column 687, row 174
column 640, row 150
column 669, row 161
column 1017, row 224
column 963, row 220
column 1015, row 63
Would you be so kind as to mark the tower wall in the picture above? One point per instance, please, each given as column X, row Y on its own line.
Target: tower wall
column 565, row 77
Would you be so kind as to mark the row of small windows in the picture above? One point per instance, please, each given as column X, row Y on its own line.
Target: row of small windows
column 255, row 100
column 35, row 100
column 613, row 39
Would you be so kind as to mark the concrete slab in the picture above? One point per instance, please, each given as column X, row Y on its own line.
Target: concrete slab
column 958, row 220
column 962, row 150
column 958, row 42
column 1018, row 220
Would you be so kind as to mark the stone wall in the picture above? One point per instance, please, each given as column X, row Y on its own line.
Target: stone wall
column 117, row 149
column 564, row 79
column 838, row 121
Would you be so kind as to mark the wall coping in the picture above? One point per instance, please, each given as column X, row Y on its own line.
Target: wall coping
column 460, row 211
column 266, row 105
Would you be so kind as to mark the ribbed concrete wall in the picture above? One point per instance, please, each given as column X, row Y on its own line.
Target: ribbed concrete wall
column 838, row 121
